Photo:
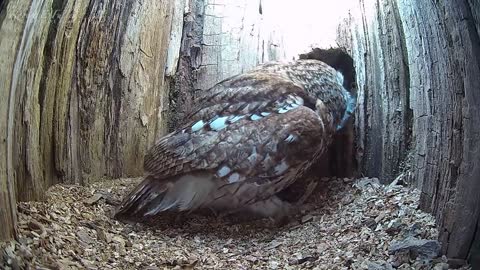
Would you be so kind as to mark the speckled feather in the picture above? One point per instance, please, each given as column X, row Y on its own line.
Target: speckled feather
column 247, row 138
column 309, row 79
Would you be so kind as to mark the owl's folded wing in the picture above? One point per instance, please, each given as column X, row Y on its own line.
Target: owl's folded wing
column 187, row 169
column 248, row 93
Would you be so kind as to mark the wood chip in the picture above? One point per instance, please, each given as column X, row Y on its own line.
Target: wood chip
column 94, row 199
column 348, row 224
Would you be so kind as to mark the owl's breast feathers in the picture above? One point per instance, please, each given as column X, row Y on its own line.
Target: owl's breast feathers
column 247, row 138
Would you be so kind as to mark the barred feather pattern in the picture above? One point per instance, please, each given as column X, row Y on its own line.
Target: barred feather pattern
column 246, row 139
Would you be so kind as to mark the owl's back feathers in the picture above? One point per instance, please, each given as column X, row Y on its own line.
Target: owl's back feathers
column 246, row 139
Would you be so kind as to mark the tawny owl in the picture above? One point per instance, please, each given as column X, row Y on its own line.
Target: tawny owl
column 247, row 138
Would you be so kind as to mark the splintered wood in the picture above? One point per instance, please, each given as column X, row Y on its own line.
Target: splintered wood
column 347, row 224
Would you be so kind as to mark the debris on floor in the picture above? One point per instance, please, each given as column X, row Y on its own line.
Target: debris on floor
column 346, row 224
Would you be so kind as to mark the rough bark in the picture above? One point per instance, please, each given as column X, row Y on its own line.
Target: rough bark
column 374, row 36
column 11, row 19
column 234, row 40
column 417, row 68
column 219, row 40
column 86, row 87
column 182, row 84
column 446, row 117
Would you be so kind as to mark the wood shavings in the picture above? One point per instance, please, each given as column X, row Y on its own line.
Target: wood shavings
column 349, row 224
column 93, row 199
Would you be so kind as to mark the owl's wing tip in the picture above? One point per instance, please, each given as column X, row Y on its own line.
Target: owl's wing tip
column 140, row 201
column 178, row 193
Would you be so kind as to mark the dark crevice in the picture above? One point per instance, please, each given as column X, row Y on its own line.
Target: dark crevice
column 57, row 10
column 76, row 85
column 473, row 33
column 408, row 115
column 474, row 247
column 116, row 92
column 363, row 158
column 3, row 10
column 182, row 90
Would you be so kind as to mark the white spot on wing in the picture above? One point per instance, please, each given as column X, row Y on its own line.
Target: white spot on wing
column 234, row 177
column 292, row 103
column 297, row 100
column 292, row 106
column 198, row 125
column 219, row 123
column 265, row 114
column 223, row 171
column 255, row 117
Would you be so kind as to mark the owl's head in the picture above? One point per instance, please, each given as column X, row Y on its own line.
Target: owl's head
column 342, row 62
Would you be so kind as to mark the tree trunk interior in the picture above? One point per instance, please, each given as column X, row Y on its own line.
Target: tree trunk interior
column 88, row 86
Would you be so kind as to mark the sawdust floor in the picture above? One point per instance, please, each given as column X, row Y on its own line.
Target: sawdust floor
column 347, row 224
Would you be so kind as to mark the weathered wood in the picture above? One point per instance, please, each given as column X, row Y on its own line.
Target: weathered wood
column 87, row 87
column 119, row 101
column 234, row 40
column 175, row 39
column 374, row 36
column 12, row 19
column 446, row 105
column 417, row 68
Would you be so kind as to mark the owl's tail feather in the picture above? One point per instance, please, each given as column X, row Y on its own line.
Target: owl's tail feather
column 136, row 203
column 152, row 196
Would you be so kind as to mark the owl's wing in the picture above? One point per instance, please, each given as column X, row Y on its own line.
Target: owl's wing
column 222, row 113
column 250, row 146
column 246, row 93
column 257, row 139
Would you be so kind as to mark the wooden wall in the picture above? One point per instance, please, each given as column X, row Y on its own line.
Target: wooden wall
column 83, row 89
column 418, row 66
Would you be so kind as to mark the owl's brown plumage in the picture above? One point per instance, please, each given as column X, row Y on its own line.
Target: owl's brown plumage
column 246, row 139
